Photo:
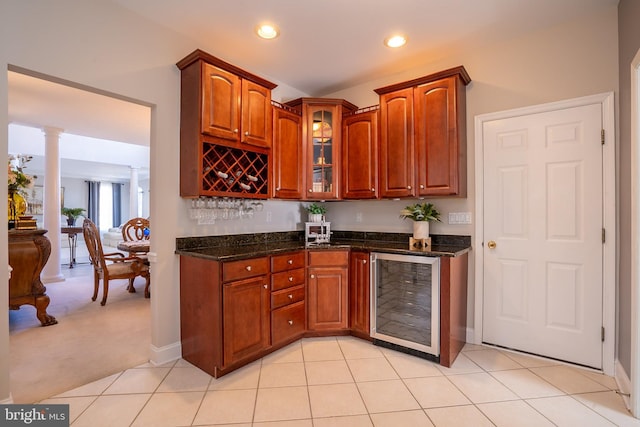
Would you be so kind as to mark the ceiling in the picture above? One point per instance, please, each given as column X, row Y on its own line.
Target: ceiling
column 323, row 47
column 329, row 45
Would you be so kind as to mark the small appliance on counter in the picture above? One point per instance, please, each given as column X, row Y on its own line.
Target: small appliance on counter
column 317, row 233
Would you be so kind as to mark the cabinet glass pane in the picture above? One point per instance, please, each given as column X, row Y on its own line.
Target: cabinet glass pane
column 322, row 137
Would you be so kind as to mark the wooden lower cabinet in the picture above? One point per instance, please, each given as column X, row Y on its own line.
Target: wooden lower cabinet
column 288, row 297
column 232, row 313
column 359, row 291
column 288, row 322
column 246, row 318
column 328, row 290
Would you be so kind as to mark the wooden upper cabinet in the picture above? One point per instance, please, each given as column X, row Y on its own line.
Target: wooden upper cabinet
column 256, row 114
column 225, row 129
column 322, row 138
column 397, row 170
column 235, row 109
column 220, row 102
column 440, row 137
column 423, row 136
column 287, row 154
column 360, row 155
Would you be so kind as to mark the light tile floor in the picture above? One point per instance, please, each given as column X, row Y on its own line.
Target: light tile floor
column 344, row 381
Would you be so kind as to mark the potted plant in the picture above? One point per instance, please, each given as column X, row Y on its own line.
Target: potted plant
column 421, row 214
column 316, row 212
column 72, row 214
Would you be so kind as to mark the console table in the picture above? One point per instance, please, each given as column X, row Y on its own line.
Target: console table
column 72, row 235
column 29, row 251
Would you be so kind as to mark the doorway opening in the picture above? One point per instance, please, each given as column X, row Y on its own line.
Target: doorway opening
column 104, row 137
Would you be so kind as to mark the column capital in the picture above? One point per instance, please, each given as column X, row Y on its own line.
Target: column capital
column 52, row 130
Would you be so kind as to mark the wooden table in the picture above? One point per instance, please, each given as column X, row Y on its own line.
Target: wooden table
column 135, row 247
column 29, row 251
column 72, row 235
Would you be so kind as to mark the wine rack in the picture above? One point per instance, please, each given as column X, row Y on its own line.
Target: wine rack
column 234, row 172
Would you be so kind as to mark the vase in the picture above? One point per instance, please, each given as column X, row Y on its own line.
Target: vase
column 420, row 229
column 315, row 217
column 17, row 206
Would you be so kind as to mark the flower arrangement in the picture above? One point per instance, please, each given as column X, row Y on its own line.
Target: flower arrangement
column 420, row 212
column 18, row 181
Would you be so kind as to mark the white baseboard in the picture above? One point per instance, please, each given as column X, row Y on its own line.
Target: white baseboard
column 165, row 354
column 624, row 383
column 471, row 336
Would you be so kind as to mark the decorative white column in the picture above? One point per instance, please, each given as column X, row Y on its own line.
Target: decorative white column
column 52, row 270
column 133, row 193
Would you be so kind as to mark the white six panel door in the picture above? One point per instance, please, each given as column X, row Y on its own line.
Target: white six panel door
column 543, row 278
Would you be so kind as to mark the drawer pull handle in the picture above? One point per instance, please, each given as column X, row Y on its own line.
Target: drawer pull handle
column 290, row 278
column 290, row 296
column 290, row 261
column 248, row 267
column 291, row 322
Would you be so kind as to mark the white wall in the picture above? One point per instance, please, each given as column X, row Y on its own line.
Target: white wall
column 568, row 61
column 100, row 45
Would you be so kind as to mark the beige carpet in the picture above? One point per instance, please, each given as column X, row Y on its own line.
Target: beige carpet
column 88, row 343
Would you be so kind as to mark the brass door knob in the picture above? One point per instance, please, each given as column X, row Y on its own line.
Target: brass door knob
column 491, row 244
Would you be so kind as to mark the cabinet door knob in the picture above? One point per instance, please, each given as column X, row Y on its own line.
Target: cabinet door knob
column 421, row 185
column 364, row 261
column 290, row 261
column 310, row 191
column 265, row 286
column 290, row 278
column 373, row 189
column 277, row 188
column 246, row 133
column 248, row 267
column 313, row 276
column 408, row 187
column 290, row 296
column 235, row 131
column 291, row 322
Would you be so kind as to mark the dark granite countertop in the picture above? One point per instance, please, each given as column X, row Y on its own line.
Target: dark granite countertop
column 236, row 247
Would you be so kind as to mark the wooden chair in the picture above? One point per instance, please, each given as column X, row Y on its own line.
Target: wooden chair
column 111, row 266
column 134, row 229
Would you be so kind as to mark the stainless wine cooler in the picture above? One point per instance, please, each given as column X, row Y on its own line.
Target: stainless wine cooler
column 405, row 291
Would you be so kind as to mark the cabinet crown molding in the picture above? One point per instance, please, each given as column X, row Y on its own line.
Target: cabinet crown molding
column 458, row 71
column 198, row 54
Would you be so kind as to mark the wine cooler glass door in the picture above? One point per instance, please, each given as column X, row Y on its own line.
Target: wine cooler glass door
column 405, row 307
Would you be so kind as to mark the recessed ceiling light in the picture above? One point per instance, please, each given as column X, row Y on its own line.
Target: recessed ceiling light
column 395, row 41
column 267, row 31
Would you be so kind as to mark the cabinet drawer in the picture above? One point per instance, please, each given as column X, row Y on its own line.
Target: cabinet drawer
column 287, row 296
column 287, row 261
column 287, row 279
column 328, row 258
column 234, row 270
column 287, row 322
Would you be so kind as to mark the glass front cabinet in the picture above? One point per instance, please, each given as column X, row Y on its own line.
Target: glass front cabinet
column 321, row 133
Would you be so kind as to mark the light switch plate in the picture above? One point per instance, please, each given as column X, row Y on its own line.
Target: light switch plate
column 458, row 218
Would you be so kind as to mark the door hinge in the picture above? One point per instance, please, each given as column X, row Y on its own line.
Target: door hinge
column 602, row 334
column 604, row 235
column 602, row 136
